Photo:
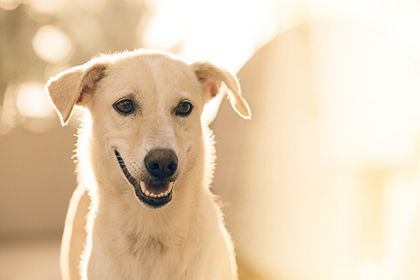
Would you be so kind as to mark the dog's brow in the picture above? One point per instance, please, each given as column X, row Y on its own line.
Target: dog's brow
column 129, row 95
column 185, row 95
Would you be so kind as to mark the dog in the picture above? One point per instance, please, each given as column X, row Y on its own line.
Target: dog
column 143, row 208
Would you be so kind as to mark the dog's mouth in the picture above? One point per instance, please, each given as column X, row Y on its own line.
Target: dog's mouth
column 154, row 193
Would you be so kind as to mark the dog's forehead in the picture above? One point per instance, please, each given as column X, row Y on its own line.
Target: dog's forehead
column 151, row 74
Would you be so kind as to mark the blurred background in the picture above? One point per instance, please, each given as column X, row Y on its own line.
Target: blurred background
column 322, row 184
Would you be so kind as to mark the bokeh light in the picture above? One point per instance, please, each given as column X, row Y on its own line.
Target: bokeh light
column 47, row 6
column 52, row 44
column 9, row 4
column 32, row 101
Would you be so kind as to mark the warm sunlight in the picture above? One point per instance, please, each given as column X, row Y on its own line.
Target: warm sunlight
column 225, row 32
column 323, row 183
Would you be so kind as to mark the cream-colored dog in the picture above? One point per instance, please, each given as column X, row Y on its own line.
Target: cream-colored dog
column 145, row 156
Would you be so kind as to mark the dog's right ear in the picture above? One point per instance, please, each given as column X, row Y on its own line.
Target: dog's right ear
column 68, row 88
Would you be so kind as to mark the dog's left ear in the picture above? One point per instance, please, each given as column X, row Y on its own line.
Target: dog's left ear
column 211, row 76
column 70, row 87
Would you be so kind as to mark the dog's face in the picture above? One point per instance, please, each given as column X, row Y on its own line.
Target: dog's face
column 146, row 114
column 148, row 110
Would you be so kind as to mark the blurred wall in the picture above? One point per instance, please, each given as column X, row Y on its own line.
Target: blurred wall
column 320, row 179
column 37, row 179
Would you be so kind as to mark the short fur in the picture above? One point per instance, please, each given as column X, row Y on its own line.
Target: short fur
column 124, row 238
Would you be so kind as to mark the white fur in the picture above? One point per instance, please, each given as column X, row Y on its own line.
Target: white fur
column 124, row 238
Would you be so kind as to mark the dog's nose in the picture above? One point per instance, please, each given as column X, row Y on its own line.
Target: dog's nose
column 161, row 163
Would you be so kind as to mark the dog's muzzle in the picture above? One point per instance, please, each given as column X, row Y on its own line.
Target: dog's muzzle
column 155, row 189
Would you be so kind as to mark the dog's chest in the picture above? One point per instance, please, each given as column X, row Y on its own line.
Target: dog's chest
column 150, row 246
column 132, row 257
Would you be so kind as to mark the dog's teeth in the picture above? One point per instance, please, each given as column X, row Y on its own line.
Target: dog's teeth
column 155, row 195
column 143, row 187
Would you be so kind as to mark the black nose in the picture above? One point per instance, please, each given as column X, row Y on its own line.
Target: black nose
column 161, row 163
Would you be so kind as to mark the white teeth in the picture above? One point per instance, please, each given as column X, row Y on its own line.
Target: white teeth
column 143, row 187
column 149, row 194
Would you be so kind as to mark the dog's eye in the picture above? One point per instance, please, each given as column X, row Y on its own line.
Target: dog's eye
column 183, row 109
column 124, row 106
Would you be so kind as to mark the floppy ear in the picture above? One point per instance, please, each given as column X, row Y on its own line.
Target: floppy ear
column 68, row 88
column 211, row 76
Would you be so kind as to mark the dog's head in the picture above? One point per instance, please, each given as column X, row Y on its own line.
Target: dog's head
column 146, row 112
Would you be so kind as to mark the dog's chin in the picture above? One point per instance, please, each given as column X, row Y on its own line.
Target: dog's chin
column 153, row 193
